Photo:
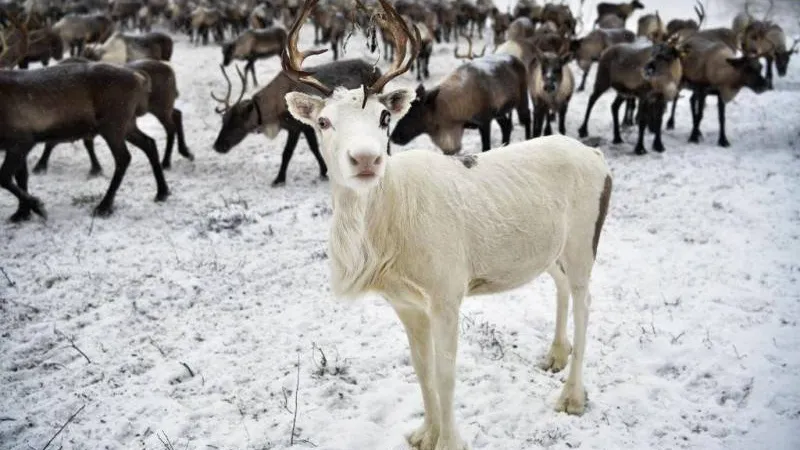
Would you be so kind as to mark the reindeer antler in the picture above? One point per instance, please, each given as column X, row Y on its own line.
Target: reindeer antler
column 402, row 37
column 700, row 10
column 769, row 10
column 292, row 58
column 226, row 105
column 469, row 54
column 793, row 48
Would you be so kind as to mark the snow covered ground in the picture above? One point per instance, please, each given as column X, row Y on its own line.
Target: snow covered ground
column 186, row 320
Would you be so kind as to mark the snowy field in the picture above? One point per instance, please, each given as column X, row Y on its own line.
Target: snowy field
column 185, row 321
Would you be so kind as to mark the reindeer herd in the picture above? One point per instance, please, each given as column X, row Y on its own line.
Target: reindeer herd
column 527, row 70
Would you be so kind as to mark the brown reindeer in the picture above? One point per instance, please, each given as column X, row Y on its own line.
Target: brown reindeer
column 94, row 98
column 44, row 45
column 712, row 68
column 483, row 89
column 650, row 26
column 589, row 48
column 253, row 45
column 610, row 22
column 161, row 104
column 650, row 74
column 689, row 26
column 266, row 110
column 551, row 85
column 122, row 48
column 621, row 10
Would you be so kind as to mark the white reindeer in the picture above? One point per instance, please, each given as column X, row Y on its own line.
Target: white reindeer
column 424, row 229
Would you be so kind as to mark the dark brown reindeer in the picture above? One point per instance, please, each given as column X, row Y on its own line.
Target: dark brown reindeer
column 266, row 110
column 122, row 48
column 610, row 22
column 562, row 17
column 589, row 48
column 621, row 10
column 551, row 86
column 94, row 99
column 483, row 89
column 650, row 74
column 711, row 67
column 687, row 26
column 44, row 45
column 78, row 30
column 766, row 39
column 161, row 104
column 253, row 45
column 725, row 36
column 650, row 26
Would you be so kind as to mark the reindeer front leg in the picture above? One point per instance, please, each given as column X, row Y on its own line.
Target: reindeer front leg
column 418, row 329
column 444, row 324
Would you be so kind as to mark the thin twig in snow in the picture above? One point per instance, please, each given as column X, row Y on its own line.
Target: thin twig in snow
column 73, row 345
column 296, row 396
column 10, row 282
column 71, row 418
column 677, row 338
column 31, row 307
column 748, row 388
column 153, row 343
column 189, row 369
column 165, row 441
column 91, row 225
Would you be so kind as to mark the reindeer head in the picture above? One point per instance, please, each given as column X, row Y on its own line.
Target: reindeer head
column 352, row 125
column 238, row 119
column 663, row 70
column 782, row 57
column 551, row 66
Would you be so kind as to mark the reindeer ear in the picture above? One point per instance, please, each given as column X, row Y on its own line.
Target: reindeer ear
column 398, row 102
column 304, row 107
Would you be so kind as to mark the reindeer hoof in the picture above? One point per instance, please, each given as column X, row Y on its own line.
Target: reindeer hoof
column 23, row 214
column 639, row 150
column 37, row 206
column 166, row 165
column 658, row 146
column 162, row 196
column 582, row 132
column 572, row 400
column 103, row 211
column 39, row 169
column 617, row 140
column 557, row 358
column 279, row 182
column 188, row 155
column 424, row 438
column 670, row 124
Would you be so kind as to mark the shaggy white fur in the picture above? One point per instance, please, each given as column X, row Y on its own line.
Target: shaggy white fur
column 424, row 230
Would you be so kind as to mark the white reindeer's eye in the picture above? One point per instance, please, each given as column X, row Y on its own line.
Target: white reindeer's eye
column 323, row 123
column 385, row 118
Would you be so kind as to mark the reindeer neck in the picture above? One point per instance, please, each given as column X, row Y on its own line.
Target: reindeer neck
column 352, row 253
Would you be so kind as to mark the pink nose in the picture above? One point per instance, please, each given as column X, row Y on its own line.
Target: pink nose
column 365, row 161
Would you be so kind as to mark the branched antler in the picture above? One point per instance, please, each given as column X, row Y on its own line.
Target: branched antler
column 700, row 10
column 226, row 105
column 769, row 10
column 469, row 54
column 292, row 58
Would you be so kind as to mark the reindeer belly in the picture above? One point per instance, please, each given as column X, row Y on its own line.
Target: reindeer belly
column 38, row 120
